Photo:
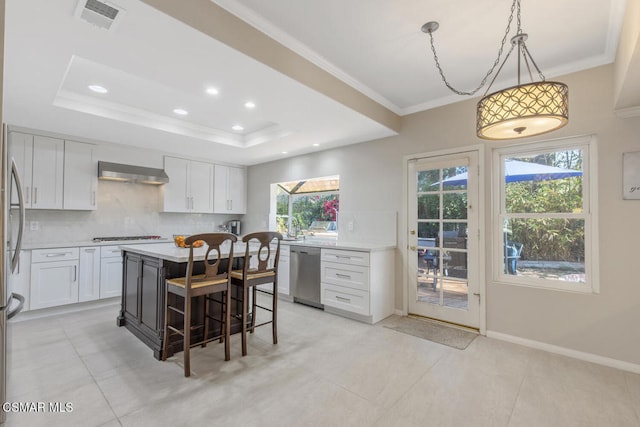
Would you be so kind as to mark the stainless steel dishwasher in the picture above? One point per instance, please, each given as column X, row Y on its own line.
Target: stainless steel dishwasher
column 305, row 275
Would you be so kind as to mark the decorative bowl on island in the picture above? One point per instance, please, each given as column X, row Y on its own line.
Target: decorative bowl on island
column 178, row 239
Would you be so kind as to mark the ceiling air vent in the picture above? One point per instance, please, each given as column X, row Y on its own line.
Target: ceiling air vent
column 99, row 13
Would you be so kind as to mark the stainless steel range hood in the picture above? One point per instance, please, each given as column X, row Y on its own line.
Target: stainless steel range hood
column 131, row 173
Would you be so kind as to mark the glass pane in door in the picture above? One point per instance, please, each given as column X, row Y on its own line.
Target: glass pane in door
column 442, row 225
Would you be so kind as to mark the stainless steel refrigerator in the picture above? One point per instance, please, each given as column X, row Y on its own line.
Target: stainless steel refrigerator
column 12, row 220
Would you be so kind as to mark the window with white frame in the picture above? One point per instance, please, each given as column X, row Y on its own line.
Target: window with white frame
column 544, row 231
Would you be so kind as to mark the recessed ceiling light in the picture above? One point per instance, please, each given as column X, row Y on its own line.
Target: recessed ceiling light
column 284, row 152
column 98, row 89
column 212, row 90
column 180, row 112
column 237, row 127
column 316, row 145
column 250, row 104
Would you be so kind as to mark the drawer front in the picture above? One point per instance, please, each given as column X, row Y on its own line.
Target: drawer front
column 353, row 300
column 58, row 254
column 346, row 257
column 352, row 276
column 113, row 251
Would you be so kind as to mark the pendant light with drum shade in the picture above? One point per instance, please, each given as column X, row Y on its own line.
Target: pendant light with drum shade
column 526, row 109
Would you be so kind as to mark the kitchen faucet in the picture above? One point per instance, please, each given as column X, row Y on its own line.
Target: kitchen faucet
column 295, row 228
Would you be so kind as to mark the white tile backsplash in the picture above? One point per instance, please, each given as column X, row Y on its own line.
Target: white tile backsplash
column 368, row 227
column 123, row 209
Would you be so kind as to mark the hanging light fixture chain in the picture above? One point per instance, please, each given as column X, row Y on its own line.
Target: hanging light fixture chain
column 528, row 54
column 514, row 6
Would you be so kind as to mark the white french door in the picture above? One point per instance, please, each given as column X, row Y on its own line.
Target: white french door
column 443, row 230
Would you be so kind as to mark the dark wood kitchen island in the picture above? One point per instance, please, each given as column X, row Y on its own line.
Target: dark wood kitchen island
column 145, row 269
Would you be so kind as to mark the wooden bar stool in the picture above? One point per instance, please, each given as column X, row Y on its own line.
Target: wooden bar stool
column 258, row 271
column 215, row 280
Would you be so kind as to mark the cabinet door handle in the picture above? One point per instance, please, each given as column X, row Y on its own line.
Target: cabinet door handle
column 57, row 254
column 343, row 276
column 343, row 299
column 93, row 198
column 28, row 193
column 75, row 273
column 343, row 256
column 90, row 250
column 35, row 195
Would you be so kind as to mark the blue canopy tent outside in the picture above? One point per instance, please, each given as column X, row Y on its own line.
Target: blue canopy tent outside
column 516, row 170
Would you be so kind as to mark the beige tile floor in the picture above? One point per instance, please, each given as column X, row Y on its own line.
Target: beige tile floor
column 326, row 371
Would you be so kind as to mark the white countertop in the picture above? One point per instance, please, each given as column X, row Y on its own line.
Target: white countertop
column 85, row 243
column 170, row 252
column 312, row 242
column 336, row 244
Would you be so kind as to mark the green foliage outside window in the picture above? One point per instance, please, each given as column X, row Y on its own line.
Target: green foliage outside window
column 305, row 209
column 548, row 238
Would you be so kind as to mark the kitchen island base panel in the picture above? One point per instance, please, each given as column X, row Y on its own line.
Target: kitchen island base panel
column 143, row 299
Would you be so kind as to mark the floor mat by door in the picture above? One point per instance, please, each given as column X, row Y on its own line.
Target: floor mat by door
column 430, row 330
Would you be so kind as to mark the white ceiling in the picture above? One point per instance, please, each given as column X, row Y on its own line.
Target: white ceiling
column 152, row 64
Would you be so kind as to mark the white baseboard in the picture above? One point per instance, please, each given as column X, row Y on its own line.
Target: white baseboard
column 66, row 309
column 587, row 357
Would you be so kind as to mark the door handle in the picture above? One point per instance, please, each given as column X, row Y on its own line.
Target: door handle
column 413, row 248
column 16, row 255
column 18, row 309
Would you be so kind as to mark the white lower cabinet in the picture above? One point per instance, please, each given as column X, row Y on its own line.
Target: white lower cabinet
column 89, row 281
column 358, row 284
column 110, row 271
column 283, row 270
column 67, row 275
column 54, row 277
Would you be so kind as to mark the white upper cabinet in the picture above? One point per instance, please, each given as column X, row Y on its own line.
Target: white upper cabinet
column 190, row 186
column 40, row 162
column 21, row 151
column 80, row 176
column 201, row 186
column 175, row 191
column 230, row 190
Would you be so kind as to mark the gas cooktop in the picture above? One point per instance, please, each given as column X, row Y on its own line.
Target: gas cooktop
column 119, row 238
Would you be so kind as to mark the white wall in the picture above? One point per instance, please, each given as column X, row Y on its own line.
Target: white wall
column 367, row 201
column 371, row 177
